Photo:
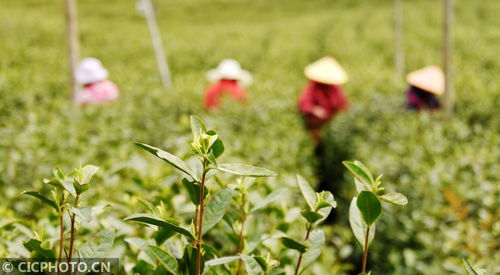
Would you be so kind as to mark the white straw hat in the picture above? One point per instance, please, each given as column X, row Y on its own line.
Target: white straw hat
column 230, row 69
column 90, row 70
column 430, row 79
column 326, row 70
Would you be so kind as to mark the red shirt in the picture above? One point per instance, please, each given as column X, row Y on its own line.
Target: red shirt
column 217, row 90
column 329, row 97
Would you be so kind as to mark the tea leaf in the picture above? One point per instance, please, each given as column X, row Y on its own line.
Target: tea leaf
column 165, row 259
column 370, row 207
column 395, row 198
column 151, row 208
column 99, row 245
column 315, row 243
column 358, row 226
column 194, row 190
column 197, row 126
column 215, row 209
column 84, row 213
column 35, row 247
column 43, row 199
column 88, row 171
column 173, row 160
column 307, row 192
column 149, row 219
column 310, row 216
column 252, row 267
column 326, row 198
column 275, row 195
column 218, row 148
column 292, row 244
column 143, row 246
column 245, row 170
column 472, row 269
column 360, row 172
column 222, row 260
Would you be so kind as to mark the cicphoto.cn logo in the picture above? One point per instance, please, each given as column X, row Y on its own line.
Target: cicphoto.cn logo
column 104, row 266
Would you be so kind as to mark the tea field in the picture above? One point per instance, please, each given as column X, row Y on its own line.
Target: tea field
column 447, row 167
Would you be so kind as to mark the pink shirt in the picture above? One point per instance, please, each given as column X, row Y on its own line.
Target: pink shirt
column 98, row 92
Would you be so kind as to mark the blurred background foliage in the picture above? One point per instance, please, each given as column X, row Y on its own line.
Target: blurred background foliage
column 447, row 167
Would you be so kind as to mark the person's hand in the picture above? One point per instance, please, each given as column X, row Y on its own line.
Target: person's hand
column 319, row 112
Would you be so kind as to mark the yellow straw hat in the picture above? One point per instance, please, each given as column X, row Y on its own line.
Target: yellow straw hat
column 430, row 79
column 326, row 70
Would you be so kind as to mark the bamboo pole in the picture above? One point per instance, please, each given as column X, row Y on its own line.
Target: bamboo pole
column 399, row 57
column 157, row 43
column 72, row 36
column 448, row 55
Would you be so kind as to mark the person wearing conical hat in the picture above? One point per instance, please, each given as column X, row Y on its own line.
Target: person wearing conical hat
column 323, row 96
column 227, row 79
column 425, row 85
column 92, row 75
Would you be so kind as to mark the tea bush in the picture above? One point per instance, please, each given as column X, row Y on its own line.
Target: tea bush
column 448, row 168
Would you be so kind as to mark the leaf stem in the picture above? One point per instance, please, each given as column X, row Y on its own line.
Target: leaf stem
column 365, row 253
column 309, row 227
column 200, row 219
column 61, row 231
column 196, row 220
column 72, row 234
column 241, row 236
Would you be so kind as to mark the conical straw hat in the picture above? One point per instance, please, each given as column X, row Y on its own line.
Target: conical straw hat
column 430, row 79
column 326, row 70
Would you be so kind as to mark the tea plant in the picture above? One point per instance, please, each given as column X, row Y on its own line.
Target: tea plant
column 366, row 207
column 66, row 203
column 319, row 206
column 207, row 147
column 472, row 269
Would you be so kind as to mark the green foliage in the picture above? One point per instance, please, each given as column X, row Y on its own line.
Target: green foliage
column 369, row 206
column 315, row 245
column 216, row 208
column 245, row 170
column 366, row 208
column 99, row 245
column 165, row 259
column 149, row 219
column 472, row 269
column 448, row 168
column 37, row 251
column 43, row 199
column 358, row 225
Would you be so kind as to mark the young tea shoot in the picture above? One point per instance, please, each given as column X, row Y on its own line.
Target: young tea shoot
column 366, row 207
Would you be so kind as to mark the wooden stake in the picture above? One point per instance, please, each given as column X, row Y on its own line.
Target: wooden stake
column 157, row 43
column 448, row 55
column 72, row 35
column 399, row 57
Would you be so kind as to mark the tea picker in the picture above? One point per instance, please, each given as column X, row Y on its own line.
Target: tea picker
column 425, row 85
column 92, row 75
column 323, row 96
column 146, row 8
column 228, row 79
